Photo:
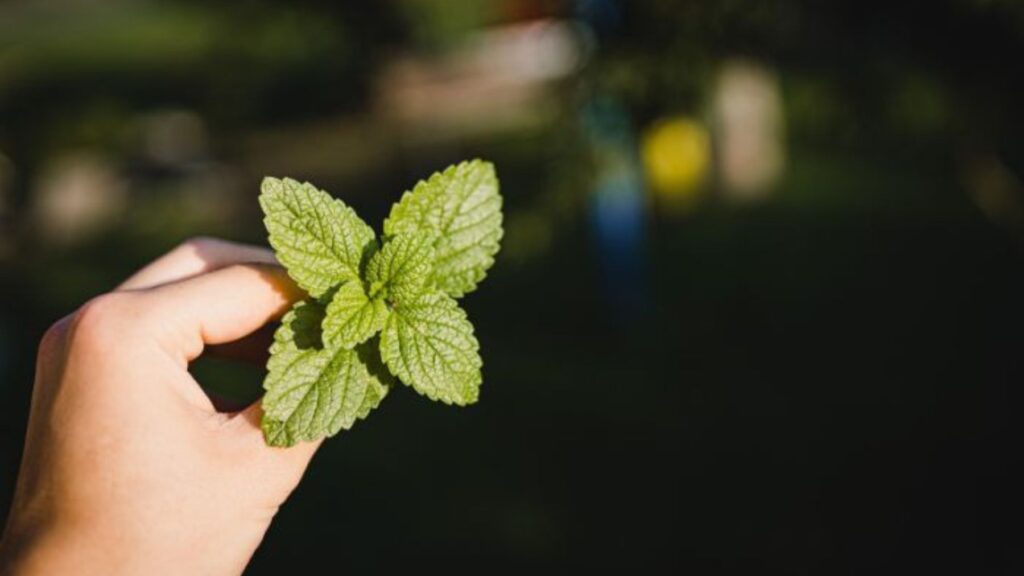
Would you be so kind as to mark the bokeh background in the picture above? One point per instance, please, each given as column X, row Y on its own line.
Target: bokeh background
column 759, row 303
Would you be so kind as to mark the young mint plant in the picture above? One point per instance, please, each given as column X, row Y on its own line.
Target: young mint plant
column 377, row 311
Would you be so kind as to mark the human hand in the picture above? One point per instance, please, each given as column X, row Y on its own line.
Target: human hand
column 128, row 468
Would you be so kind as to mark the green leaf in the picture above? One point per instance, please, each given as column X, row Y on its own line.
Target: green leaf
column 429, row 344
column 381, row 380
column 462, row 207
column 317, row 238
column 402, row 268
column 352, row 316
column 327, row 367
column 275, row 433
column 312, row 391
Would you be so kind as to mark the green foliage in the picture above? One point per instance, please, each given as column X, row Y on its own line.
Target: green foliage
column 320, row 240
column 352, row 316
column 403, row 269
column 327, row 366
column 429, row 344
column 313, row 390
column 462, row 207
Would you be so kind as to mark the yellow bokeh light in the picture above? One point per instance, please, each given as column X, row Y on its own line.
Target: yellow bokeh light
column 676, row 154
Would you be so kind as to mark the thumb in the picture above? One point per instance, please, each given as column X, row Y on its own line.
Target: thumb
column 291, row 462
column 223, row 306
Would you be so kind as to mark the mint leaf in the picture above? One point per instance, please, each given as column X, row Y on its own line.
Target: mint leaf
column 462, row 207
column 381, row 380
column 317, row 238
column 352, row 316
column 429, row 344
column 328, row 368
column 403, row 267
column 275, row 433
column 313, row 391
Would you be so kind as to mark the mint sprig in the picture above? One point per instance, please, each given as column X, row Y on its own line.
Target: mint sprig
column 376, row 311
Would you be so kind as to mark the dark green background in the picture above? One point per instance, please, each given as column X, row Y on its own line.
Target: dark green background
column 821, row 382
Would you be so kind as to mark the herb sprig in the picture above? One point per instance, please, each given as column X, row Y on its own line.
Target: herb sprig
column 379, row 311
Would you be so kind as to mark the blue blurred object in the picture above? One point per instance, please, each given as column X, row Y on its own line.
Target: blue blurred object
column 617, row 207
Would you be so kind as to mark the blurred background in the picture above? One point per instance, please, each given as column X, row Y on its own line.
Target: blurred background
column 759, row 303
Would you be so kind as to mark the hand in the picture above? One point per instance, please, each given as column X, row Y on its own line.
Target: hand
column 128, row 468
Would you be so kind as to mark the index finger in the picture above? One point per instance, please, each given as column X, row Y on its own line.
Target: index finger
column 218, row 307
column 193, row 257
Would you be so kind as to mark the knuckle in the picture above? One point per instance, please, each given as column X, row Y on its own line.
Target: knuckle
column 53, row 338
column 97, row 318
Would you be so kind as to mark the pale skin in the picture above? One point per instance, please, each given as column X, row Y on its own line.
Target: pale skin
column 128, row 468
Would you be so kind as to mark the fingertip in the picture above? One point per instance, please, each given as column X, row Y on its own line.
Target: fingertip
column 278, row 276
